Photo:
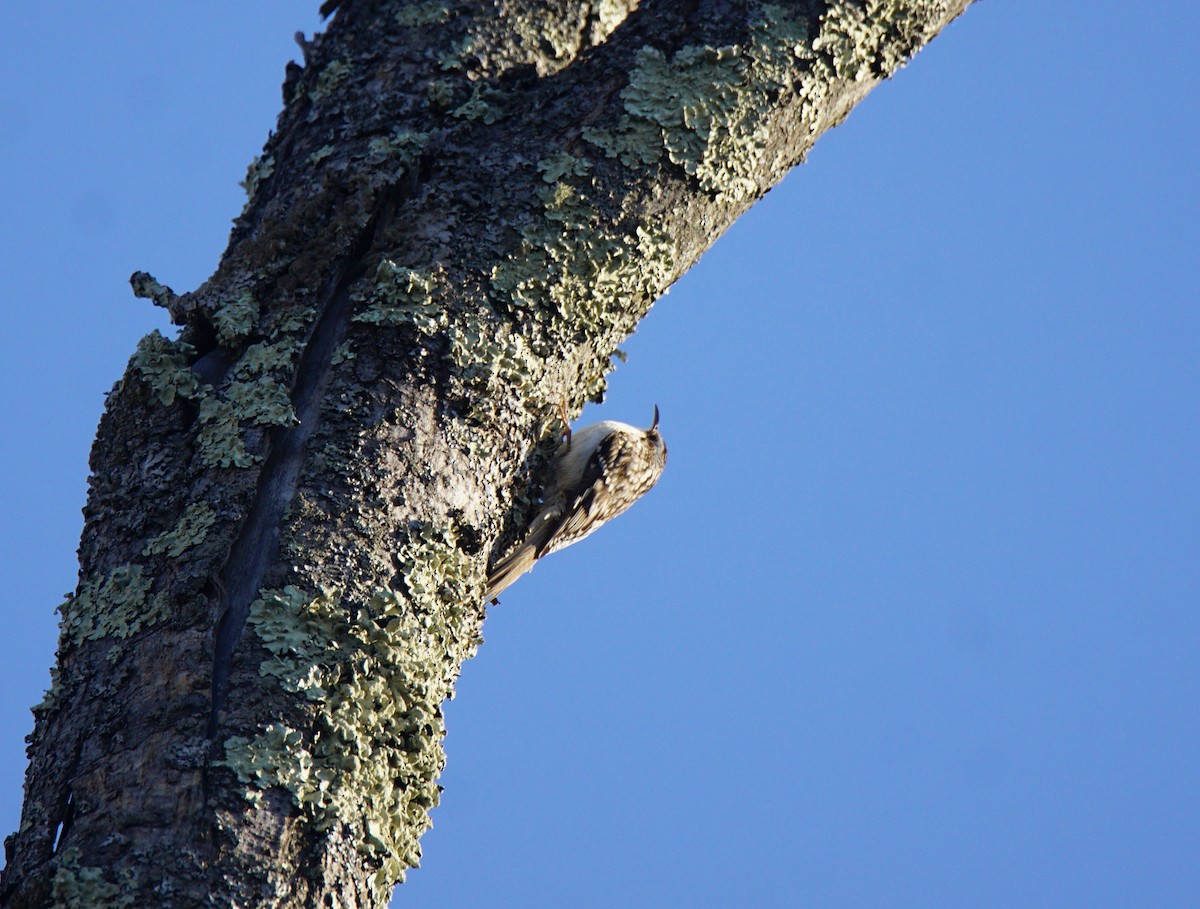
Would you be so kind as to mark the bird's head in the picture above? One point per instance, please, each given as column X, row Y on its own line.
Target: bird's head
column 655, row 437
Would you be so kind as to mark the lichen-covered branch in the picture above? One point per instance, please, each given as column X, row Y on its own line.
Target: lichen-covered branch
column 464, row 208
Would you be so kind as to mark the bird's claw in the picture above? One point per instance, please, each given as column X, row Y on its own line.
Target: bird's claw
column 562, row 409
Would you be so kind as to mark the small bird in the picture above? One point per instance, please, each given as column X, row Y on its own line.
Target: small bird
column 597, row 473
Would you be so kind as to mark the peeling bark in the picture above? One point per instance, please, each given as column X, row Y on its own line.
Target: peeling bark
column 464, row 208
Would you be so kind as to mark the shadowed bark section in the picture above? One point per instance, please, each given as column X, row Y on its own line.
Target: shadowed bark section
column 258, row 538
column 463, row 210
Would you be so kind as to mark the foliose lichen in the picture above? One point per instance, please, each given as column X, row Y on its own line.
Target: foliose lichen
column 342, row 353
column 441, row 93
column 567, row 282
column 562, row 164
column 163, row 365
column 320, row 154
column 147, row 287
column 260, row 402
column 488, row 350
column 234, row 319
column 257, row 393
column 431, row 12
column 78, row 886
column 258, row 170
column 485, row 104
column 404, row 296
column 609, row 14
column 401, row 146
column 296, row 319
column 117, row 605
column 710, row 105
column 267, row 358
column 559, row 33
column 380, row 670
column 329, row 79
column 191, row 530
column 875, row 38
column 456, row 56
column 635, row 143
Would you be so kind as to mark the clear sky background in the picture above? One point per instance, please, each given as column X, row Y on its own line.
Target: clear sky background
column 911, row 620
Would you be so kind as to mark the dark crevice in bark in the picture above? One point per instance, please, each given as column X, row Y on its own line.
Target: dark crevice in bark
column 258, row 541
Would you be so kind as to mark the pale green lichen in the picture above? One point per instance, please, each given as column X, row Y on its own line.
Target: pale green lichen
column 429, row 13
column 712, row 103
column 563, row 164
column 874, row 39
column 568, row 269
column 402, row 146
column 267, row 358
column 220, row 438
column 118, row 605
column 485, row 104
column 568, row 283
column 252, row 396
column 380, row 671
column 491, row 353
column 329, row 79
column 163, row 365
column 708, row 107
column 296, row 320
column 262, row 402
column 696, row 101
column 342, row 353
column 78, row 886
column 441, row 94
column 303, row 634
column 260, row 168
column 559, row 32
column 609, row 14
column 189, row 531
column 437, row 571
column 456, row 56
column 320, row 154
column 635, row 143
column 235, row 318
column 489, row 350
column 404, row 296
column 275, row 757
column 33, row 815
column 147, row 287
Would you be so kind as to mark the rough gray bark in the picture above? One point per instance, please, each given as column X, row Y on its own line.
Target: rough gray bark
column 464, row 209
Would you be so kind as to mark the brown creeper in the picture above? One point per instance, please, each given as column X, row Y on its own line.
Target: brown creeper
column 596, row 474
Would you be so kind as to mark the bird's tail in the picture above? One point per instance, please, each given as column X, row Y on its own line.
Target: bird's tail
column 509, row 568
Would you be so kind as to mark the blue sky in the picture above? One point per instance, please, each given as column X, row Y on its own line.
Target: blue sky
column 911, row 619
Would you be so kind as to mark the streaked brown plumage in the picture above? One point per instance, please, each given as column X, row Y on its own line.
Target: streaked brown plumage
column 597, row 473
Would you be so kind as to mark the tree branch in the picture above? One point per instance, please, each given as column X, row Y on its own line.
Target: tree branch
column 463, row 211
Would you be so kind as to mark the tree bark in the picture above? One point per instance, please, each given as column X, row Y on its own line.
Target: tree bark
column 464, row 209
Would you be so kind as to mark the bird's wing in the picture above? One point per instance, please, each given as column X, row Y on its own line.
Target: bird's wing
column 508, row 569
column 586, row 511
